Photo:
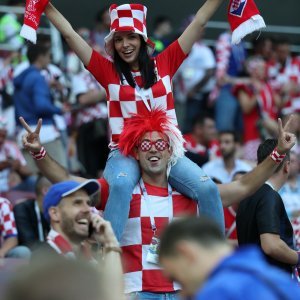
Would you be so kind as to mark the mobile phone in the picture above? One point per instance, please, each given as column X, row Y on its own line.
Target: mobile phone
column 91, row 229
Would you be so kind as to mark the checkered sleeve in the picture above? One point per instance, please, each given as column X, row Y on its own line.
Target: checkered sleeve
column 7, row 220
column 101, row 68
column 170, row 59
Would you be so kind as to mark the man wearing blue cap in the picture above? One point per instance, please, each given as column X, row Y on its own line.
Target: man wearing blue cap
column 67, row 207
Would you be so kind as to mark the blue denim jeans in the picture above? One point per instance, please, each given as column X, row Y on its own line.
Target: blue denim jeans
column 152, row 296
column 228, row 114
column 123, row 173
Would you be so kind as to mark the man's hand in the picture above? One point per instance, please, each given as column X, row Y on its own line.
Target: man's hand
column 103, row 232
column 286, row 139
column 31, row 140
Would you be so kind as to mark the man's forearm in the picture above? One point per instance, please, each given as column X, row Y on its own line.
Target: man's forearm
column 8, row 244
column 281, row 252
column 113, row 272
column 236, row 191
column 51, row 169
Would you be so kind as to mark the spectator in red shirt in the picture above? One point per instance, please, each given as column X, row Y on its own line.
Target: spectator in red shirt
column 259, row 104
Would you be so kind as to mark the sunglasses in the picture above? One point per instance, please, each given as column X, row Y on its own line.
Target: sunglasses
column 160, row 145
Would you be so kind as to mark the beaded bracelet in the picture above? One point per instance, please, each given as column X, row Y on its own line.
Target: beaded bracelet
column 39, row 155
column 278, row 158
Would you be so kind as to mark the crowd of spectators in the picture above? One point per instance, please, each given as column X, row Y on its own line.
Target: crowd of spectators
column 227, row 99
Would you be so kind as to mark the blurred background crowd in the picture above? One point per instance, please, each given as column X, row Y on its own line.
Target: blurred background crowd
column 228, row 98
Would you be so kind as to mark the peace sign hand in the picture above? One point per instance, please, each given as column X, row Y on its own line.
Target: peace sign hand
column 31, row 140
column 286, row 139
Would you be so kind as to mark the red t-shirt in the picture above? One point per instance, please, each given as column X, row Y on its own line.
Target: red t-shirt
column 123, row 100
column 139, row 274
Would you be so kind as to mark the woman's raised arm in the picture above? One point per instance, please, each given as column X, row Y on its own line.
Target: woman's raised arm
column 193, row 31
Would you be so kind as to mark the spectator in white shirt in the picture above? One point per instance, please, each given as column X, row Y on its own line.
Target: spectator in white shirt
column 223, row 168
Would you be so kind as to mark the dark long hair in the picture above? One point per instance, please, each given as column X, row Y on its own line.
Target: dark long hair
column 146, row 66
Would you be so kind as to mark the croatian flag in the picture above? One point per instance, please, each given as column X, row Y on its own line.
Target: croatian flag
column 244, row 18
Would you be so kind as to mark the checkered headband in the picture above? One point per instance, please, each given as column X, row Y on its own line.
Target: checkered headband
column 127, row 17
column 155, row 120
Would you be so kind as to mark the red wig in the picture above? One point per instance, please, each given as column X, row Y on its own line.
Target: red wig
column 155, row 120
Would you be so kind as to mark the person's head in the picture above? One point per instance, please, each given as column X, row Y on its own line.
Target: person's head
column 294, row 165
column 265, row 149
column 103, row 18
column 3, row 130
column 238, row 175
column 282, row 49
column 263, row 47
column 67, row 207
column 128, row 44
column 256, row 68
column 153, row 139
column 228, row 143
column 85, row 33
column 39, row 55
column 190, row 249
column 42, row 186
column 204, row 129
column 162, row 26
column 127, row 18
column 56, row 279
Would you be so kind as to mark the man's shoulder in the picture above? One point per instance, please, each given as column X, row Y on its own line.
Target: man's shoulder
column 26, row 204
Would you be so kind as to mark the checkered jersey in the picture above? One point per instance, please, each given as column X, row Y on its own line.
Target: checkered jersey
column 281, row 76
column 139, row 274
column 123, row 100
column 7, row 220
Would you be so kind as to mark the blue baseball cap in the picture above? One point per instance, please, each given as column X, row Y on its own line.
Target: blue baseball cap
column 65, row 188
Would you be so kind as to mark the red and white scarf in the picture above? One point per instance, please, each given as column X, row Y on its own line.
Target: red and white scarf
column 63, row 247
column 32, row 16
column 244, row 18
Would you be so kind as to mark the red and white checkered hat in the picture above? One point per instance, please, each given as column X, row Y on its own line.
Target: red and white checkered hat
column 127, row 17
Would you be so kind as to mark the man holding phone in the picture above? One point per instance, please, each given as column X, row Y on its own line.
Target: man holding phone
column 67, row 207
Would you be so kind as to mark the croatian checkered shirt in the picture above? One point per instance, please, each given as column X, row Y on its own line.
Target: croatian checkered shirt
column 7, row 220
column 123, row 100
column 139, row 274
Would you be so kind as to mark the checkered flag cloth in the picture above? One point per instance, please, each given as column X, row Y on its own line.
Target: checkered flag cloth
column 127, row 17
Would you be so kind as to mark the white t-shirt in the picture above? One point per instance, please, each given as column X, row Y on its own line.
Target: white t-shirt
column 216, row 169
column 192, row 71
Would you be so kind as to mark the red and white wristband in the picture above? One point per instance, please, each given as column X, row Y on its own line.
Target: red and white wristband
column 39, row 155
column 278, row 158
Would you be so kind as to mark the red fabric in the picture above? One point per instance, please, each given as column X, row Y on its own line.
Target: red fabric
column 33, row 12
column 123, row 100
column 250, row 132
column 266, row 106
column 240, row 11
column 140, row 275
column 229, row 222
column 7, row 220
column 192, row 146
